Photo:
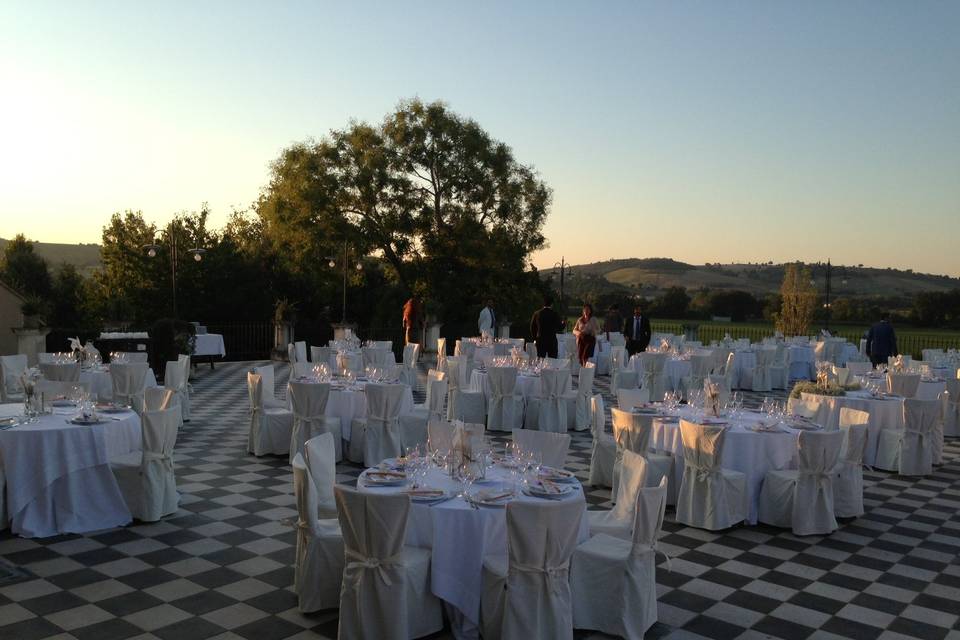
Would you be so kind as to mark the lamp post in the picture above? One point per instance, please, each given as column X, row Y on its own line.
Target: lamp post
column 565, row 271
column 174, row 241
column 333, row 263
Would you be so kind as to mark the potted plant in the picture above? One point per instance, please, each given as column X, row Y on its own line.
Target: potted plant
column 32, row 308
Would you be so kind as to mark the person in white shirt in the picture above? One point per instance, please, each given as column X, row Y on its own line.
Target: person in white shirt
column 487, row 322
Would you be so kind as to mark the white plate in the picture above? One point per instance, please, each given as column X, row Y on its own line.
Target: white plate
column 374, row 479
column 500, row 497
column 429, row 494
column 556, row 475
column 538, row 489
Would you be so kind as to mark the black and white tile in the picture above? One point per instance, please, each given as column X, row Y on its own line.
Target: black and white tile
column 222, row 566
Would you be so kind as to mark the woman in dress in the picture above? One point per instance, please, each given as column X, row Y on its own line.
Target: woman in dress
column 586, row 331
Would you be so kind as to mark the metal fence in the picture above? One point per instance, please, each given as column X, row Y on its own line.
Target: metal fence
column 245, row 340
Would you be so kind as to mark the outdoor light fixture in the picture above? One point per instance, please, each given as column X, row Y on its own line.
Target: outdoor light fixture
column 359, row 267
column 152, row 250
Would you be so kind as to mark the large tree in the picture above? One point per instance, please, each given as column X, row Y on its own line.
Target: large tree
column 798, row 301
column 446, row 206
column 24, row 269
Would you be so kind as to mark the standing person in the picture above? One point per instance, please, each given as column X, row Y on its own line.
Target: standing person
column 613, row 322
column 636, row 329
column 544, row 327
column 586, row 331
column 487, row 323
column 881, row 341
column 412, row 320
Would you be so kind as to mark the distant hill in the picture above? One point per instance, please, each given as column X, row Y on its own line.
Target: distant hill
column 649, row 276
column 85, row 257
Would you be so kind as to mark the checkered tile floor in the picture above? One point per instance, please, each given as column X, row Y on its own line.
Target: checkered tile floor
column 222, row 566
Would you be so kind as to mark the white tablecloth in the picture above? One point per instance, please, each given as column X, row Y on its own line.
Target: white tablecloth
column 209, row 344
column 101, row 383
column 749, row 452
column 460, row 537
column 885, row 413
column 528, row 386
column 348, row 404
column 58, row 474
column 930, row 390
column 676, row 369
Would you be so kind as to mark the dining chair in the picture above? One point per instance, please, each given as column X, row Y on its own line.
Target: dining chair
column 319, row 561
column 603, row 451
column 848, row 483
column 613, row 581
column 710, row 497
column 146, row 478
column 270, row 427
column 309, row 403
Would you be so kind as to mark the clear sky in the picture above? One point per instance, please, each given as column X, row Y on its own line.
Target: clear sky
column 703, row 131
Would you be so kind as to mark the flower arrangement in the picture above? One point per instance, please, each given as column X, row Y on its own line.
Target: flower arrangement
column 827, row 389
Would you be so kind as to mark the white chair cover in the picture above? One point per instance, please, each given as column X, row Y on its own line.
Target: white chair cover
column 320, row 455
column 710, row 497
column 379, row 434
column 532, row 601
column 653, row 374
column 848, row 485
column 551, row 406
column 309, row 403
column 270, row 427
column 614, row 580
column 910, row 452
column 582, row 416
column 68, row 372
column 618, row 521
column 463, row 403
column 177, row 377
column 903, row 384
column 442, row 354
column 700, row 366
column 618, row 367
column 951, row 417
column 386, row 586
column 408, row 370
column 159, row 398
column 318, row 568
column 291, row 354
column 270, row 399
column 552, row 447
column 128, row 382
column 321, row 355
column 779, row 369
column 301, row 350
column 505, row 406
column 11, row 368
column 803, row 499
column 632, row 432
column 413, row 426
column 604, row 449
column 146, row 478
column 761, row 370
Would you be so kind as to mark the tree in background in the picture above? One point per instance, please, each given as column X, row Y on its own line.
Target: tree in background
column 798, row 301
column 447, row 208
column 736, row 305
column 672, row 303
column 24, row 270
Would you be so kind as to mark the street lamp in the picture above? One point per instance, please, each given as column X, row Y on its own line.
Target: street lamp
column 196, row 252
column 565, row 271
column 827, row 304
column 333, row 263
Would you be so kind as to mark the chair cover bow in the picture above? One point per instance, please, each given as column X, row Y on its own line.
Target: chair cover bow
column 358, row 564
column 556, row 575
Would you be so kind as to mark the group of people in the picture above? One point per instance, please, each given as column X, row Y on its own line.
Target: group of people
column 545, row 325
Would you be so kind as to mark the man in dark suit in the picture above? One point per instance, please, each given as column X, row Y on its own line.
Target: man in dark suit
column 544, row 327
column 636, row 329
column 881, row 341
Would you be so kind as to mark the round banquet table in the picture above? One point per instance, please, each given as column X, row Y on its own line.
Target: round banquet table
column 752, row 453
column 885, row 413
column 460, row 537
column 527, row 385
column 101, row 383
column 58, row 474
column 676, row 369
column 930, row 389
column 348, row 403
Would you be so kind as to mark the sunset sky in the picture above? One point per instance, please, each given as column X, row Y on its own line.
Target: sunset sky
column 703, row 131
